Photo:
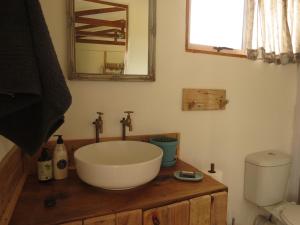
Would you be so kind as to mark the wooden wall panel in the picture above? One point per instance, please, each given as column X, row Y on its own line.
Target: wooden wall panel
column 12, row 178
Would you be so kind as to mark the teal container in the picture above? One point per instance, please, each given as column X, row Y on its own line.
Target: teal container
column 169, row 146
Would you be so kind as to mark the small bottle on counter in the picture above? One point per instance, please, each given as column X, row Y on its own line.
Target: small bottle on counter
column 60, row 159
column 45, row 170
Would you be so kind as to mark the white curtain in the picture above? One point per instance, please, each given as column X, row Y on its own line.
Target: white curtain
column 273, row 30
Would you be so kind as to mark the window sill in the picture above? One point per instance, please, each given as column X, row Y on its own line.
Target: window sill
column 210, row 50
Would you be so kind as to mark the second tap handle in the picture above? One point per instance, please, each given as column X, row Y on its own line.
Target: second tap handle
column 128, row 112
column 99, row 115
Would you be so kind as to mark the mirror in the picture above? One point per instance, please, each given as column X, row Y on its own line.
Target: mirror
column 112, row 40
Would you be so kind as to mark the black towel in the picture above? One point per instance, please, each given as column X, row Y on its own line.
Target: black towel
column 33, row 92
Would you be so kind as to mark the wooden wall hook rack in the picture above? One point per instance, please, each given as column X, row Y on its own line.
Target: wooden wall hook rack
column 204, row 99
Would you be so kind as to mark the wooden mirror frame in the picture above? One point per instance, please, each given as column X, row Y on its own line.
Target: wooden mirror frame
column 73, row 75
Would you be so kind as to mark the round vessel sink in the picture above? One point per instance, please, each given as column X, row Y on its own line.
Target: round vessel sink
column 118, row 165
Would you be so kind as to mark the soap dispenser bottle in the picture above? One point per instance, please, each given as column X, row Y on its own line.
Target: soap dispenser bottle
column 60, row 159
column 45, row 173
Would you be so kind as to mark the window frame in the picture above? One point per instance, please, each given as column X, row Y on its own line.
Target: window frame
column 196, row 48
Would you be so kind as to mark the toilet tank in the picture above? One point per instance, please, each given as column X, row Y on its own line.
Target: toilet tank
column 266, row 177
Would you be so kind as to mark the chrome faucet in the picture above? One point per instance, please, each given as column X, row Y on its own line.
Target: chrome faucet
column 126, row 123
column 98, row 126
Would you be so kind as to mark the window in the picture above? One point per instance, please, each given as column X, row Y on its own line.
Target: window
column 215, row 27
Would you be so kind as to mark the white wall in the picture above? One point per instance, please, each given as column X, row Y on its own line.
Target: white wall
column 5, row 147
column 259, row 116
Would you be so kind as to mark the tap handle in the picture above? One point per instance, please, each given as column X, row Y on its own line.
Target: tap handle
column 128, row 112
column 99, row 115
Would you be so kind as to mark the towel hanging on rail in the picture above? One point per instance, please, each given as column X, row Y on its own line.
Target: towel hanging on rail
column 33, row 92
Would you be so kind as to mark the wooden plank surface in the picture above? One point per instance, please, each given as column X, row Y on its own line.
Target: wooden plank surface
column 156, row 216
column 134, row 217
column 219, row 208
column 179, row 213
column 83, row 201
column 12, row 177
column 200, row 210
column 203, row 99
column 73, row 223
column 173, row 214
column 10, row 207
column 102, row 220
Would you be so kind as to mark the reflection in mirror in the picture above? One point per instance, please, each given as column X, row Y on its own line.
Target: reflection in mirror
column 112, row 39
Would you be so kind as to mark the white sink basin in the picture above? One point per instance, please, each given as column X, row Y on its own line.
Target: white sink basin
column 118, row 165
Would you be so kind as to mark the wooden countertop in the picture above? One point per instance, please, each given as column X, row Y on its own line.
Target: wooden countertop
column 77, row 200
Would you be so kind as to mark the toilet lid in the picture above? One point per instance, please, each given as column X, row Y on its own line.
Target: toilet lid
column 291, row 215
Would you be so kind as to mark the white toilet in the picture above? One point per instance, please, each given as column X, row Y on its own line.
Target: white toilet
column 266, row 178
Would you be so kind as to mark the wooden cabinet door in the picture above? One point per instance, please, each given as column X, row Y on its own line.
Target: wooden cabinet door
column 219, row 208
column 157, row 216
column 175, row 214
column 179, row 213
column 200, row 210
column 129, row 218
column 102, row 220
column 73, row 223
